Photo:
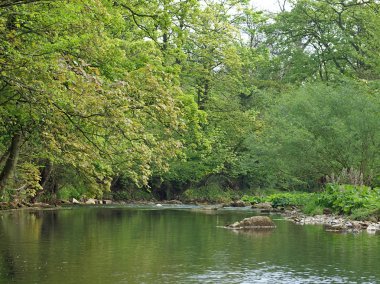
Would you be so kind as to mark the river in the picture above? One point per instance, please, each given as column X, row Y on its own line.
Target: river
column 176, row 244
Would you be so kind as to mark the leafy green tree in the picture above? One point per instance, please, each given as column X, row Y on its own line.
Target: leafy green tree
column 325, row 39
column 319, row 130
column 71, row 95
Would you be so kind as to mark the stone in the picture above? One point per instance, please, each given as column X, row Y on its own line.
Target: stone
column 263, row 206
column 74, row 201
column 91, row 201
column 238, row 203
column 253, row 222
column 107, row 201
column 373, row 228
column 159, row 205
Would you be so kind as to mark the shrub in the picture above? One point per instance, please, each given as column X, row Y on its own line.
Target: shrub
column 136, row 194
column 212, row 193
column 252, row 199
column 347, row 198
column 362, row 214
column 288, row 199
column 68, row 192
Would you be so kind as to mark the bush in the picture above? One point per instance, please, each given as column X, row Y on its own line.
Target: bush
column 349, row 198
column 288, row 199
column 361, row 202
column 136, row 194
column 252, row 199
column 363, row 214
column 68, row 192
column 312, row 206
column 210, row 193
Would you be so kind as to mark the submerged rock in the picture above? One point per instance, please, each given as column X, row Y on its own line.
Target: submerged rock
column 253, row 223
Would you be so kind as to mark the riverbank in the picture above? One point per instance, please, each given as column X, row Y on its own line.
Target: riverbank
column 332, row 223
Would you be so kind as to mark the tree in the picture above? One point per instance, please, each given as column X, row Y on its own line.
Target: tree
column 326, row 39
column 73, row 97
column 318, row 130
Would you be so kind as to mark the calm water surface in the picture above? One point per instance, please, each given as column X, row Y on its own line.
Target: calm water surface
column 176, row 245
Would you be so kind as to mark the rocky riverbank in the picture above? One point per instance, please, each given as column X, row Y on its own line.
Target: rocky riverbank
column 333, row 223
column 83, row 202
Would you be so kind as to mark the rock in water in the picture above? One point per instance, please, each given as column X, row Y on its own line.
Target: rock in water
column 255, row 222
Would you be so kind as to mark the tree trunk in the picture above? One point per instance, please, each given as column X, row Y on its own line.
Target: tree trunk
column 11, row 161
column 47, row 182
column 46, row 173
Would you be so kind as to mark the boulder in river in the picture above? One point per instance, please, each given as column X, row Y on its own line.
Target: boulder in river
column 255, row 222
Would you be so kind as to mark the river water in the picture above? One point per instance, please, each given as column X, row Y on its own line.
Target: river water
column 176, row 245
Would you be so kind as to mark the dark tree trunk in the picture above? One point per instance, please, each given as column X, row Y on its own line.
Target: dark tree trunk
column 47, row 181
column 11, row 160
column 46, row 173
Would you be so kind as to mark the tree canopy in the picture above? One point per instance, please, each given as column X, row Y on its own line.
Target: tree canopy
column 166, row 95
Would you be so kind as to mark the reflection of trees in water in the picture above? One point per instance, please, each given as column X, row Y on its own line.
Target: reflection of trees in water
column 49, row 223
column 7, row 267
column 25, row 226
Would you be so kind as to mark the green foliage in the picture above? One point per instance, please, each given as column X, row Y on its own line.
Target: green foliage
column 252, row 199
column 210, row 193
column 288, row 199
column 311, row 204
column 132, row 195
column 363, row 214
column 68, row 192
column 358, row 202
column 347, row 198
column 184, row 91
column 318, row 130
column 325, row 40
column 30, row 174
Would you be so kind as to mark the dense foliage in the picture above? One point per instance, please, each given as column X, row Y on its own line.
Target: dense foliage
column 140, row 99
column 358, row 202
